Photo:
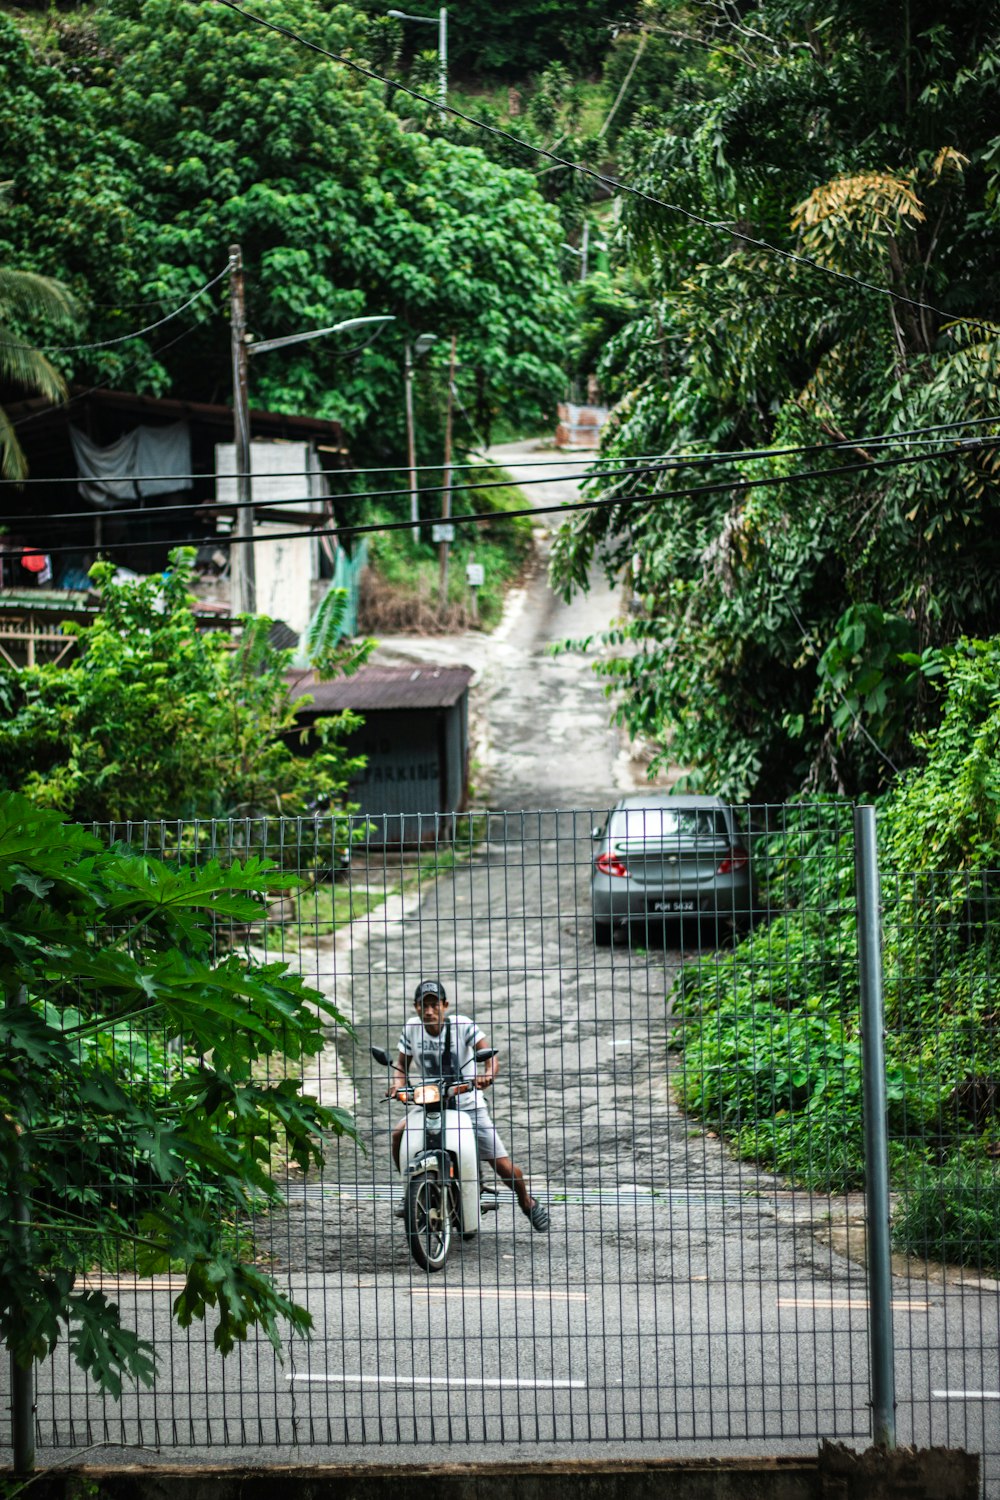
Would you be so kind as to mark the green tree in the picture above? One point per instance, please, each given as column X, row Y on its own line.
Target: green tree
column 155, row 718
column 188, row 127
column 146, row 1083
column 25, row 299
column 512, row 40
column 773, row 624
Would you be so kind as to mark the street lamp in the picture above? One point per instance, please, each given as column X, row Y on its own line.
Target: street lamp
column 267, row 345
column 442, row 26
column 420, row 346
column 242, row 348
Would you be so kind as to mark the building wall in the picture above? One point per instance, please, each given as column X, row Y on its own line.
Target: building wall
column 285, row 570
column 416, row 768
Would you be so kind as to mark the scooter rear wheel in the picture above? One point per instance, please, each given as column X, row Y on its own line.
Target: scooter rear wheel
column 428, row 1220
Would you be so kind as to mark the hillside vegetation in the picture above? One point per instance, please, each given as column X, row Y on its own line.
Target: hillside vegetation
column 793, row 300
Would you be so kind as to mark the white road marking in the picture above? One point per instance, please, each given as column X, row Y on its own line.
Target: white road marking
column 859, row 1302
column 483, row 1383
column 966, row 1395
column 479, row 1294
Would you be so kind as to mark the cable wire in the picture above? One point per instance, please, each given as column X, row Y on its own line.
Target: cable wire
column 33, row 416
column 615, row 183
column 124, row 337
column 144, row 512
column 638, row 467
column 478, row 517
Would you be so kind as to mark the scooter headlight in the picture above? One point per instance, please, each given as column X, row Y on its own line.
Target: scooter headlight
column 427, row 1093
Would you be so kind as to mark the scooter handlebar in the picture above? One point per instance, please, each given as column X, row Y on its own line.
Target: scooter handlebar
column 405, row 1096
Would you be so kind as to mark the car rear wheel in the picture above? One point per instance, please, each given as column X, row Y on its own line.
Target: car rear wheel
column 602, row 934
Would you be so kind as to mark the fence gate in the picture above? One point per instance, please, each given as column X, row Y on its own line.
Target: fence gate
column 684, row 1292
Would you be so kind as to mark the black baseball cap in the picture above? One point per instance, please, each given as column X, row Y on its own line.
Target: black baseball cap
column 431, row 987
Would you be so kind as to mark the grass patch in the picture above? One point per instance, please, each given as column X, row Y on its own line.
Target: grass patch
column 952, row 1215
column 321, row 910
column 400, row 591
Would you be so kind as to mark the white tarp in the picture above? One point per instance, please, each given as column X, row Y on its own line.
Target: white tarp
column 120, row 473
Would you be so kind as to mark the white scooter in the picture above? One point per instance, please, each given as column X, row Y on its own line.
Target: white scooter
column 439, row 1161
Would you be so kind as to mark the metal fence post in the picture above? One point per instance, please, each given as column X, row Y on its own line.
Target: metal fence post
column 883, row 1375
column 22, row 1381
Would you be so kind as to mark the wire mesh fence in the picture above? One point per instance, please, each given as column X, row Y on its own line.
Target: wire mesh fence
column 673, row 998
column 943, row 1064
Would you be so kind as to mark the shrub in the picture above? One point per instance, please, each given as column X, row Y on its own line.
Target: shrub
column 953, row 1215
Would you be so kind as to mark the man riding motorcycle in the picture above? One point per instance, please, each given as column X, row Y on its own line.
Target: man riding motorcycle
column 441, row 1045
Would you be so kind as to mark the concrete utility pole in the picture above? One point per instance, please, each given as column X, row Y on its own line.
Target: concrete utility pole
column 246, row 573
column 443, row 61
column 411, row 442
column 420, row 346
column 446, row 487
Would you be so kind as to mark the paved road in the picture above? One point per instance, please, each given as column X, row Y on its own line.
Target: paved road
column 679, row 1299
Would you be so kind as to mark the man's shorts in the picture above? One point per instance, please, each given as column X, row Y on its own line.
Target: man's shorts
column 491, row 1146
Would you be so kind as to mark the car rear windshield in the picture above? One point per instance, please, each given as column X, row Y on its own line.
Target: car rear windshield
column 669, row 822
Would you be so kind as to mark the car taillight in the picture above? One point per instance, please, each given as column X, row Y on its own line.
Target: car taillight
column 610, row 864
column 738, row 860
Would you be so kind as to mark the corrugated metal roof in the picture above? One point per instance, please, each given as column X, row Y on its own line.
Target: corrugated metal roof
column 56, row 601
column 418, row 686
column 212, row 413
column 84, row 605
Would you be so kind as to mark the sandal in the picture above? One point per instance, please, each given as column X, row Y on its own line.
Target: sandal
column 539, row 1216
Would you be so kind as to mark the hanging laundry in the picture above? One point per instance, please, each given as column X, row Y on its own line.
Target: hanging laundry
column 39, row 563
column 114, row 475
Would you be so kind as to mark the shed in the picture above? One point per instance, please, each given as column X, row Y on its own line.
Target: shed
column 181, row 509
column 416, row 740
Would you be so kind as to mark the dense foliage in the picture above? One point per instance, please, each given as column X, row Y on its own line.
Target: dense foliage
column 772, row 1053
column 143, row 137
column 521, row 37
column 782, row 633
column 156, row 718
column 143, row 1092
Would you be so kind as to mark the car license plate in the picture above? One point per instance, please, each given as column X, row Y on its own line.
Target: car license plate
column 675, row 906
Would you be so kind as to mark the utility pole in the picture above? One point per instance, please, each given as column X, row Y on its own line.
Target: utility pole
column 584, row 255
column 411, row 445
column 418, row 347
column 443, row 62
column 446, row 489
column 245, row 573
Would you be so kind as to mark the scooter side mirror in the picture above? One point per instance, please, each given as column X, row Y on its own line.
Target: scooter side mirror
column 483, row 1054
column 380, row 1056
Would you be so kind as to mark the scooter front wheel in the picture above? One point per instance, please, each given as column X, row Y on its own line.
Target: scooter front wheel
column 428, row 1220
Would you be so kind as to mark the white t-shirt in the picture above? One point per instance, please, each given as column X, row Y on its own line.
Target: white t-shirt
column 428, row 1051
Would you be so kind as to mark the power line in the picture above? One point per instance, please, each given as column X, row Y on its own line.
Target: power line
column 603, row 503
column 611, row 182
column 637, row 468
column 124, row 337
column 33, row 416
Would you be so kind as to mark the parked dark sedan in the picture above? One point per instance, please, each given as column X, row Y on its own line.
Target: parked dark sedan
column 662, row 856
